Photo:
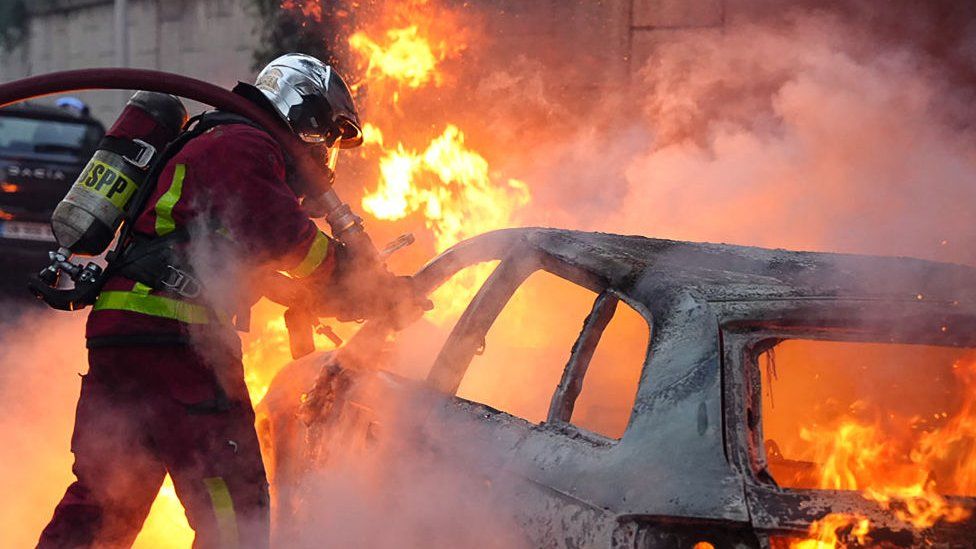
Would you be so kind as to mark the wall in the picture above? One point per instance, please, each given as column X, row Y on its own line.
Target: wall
column 208, row 39
column 609, row 40
column 596, row 43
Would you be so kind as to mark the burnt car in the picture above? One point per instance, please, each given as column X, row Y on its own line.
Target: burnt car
column 740, row 357
column 42, row 150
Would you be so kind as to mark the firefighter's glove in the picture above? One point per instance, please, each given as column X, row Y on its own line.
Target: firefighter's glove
column 364, row 289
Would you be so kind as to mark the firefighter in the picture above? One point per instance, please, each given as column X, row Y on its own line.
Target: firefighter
column 165, row 389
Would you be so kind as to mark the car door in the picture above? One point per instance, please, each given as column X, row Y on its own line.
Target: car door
column 513, row 392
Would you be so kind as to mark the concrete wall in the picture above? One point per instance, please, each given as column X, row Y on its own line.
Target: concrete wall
column 594, row 42
column 208, row 39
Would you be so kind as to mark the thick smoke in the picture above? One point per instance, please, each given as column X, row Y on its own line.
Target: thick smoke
column 379, row 477
column 41, row 359
column 813, row 132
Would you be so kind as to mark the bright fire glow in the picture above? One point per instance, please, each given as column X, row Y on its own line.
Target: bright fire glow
column 166, row 525
column 855, row 455
column 834, row 530
column 451, row 186
column 266, row 348
column 404, row 57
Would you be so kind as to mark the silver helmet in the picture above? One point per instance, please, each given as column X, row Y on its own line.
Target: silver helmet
column 312, row 99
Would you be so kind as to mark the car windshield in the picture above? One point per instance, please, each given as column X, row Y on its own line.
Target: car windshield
column 21, row 135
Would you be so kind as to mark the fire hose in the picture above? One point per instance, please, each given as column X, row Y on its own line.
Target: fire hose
column 138, row 79
column 320, row 196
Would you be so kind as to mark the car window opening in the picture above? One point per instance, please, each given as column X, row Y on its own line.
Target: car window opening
column 527, row 349
column 880, row 418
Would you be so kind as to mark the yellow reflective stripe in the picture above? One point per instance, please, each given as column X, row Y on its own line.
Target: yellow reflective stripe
column 166, row 203
column 223, row 507
column 152, row 305
column 141, row 289
column 315, row 256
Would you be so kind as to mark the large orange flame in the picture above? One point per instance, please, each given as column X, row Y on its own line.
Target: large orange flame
column 405, row 57
column 451, row 186
column 856, row 455
column 447, row 183
column 835, row 530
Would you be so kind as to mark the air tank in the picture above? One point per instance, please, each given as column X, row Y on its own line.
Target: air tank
column 86, row 220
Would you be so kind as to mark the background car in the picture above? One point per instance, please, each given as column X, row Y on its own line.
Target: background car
column 42, row 150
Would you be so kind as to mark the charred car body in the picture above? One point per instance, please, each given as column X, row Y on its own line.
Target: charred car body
column 42, row 151
column 693, row 464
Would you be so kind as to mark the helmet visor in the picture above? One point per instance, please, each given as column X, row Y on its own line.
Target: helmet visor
column 320, row 126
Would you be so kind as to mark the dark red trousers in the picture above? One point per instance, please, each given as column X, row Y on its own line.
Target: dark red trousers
column 146, row 411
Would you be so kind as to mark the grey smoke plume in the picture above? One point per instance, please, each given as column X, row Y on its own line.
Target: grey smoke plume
column 41, row 358
column 811, row 132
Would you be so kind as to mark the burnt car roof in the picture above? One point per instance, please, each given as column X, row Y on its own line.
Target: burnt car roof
column 726, row 272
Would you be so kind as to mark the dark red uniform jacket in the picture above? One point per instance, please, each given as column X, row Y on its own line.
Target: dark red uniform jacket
column 234, row 176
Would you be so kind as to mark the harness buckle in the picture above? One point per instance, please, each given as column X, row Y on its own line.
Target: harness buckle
column 181, row 283
column 144, row 157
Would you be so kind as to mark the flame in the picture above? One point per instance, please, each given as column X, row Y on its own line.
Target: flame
column 857, row 455
column 433, row 176
column 452, row 187
column 835, row 530
column 166, row 525
column 265, row 355
column 404, row 57
column 444, row 182
column 308, row 9
column 266, row 348
column 450, row 184
column 404, row 47
column 951, row 449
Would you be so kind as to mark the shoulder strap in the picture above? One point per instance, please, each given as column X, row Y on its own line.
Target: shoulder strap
column 193, row 128
column 210, row 120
